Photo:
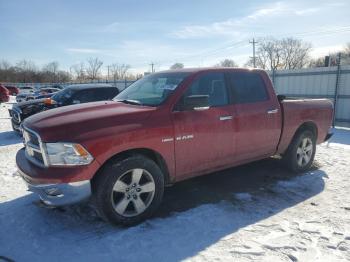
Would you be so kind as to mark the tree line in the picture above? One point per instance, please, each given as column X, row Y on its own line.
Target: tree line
column 271, row 54
column 27, row 71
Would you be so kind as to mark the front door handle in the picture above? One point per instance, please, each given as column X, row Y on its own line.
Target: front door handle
column 225, row 118
column 272, row 111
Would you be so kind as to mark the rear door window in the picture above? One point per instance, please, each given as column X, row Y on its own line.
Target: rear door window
column 247, row 87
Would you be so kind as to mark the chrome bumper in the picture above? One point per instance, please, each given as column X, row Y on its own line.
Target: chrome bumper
column 60, row 194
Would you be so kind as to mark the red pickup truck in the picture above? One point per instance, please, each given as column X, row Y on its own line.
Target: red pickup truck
column 166, row 127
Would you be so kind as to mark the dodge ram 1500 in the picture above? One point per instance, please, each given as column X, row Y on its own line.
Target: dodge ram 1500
column 164, row 128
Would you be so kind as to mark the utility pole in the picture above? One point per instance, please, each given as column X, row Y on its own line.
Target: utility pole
column 107, row 73
column 254, row 58
column 152, row 66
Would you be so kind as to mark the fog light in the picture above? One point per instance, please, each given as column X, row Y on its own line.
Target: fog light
column 53, row 191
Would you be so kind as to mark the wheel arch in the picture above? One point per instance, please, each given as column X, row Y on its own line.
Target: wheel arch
column 146, row 152
column 309, row 125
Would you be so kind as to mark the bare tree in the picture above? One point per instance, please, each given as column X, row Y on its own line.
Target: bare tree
column 26, row 70
column 294, row 53
column 50, row 71
column 317, row 62
column 347, row 49
column 79, row 71
column 119, row 71
column 4, row 65
column 93, row 68
column 288, row 53
column 333, row 58
column 26, row 65
column 227, row 63
column 51, row 67
column 177, row 66
column 346, row 56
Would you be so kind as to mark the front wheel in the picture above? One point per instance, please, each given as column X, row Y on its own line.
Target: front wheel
column 301, row 152
column 128, row 191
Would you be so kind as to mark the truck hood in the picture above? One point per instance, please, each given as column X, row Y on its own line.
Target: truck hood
column 77, row 121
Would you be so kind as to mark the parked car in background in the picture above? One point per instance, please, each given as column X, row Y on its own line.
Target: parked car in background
column 74, row 94
column 55, row 86
column 164, row 128
column 4, row 94
column 24, row 91
column 13, row 90
column 42, row 93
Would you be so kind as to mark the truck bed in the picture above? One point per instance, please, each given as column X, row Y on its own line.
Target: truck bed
column 296, row 112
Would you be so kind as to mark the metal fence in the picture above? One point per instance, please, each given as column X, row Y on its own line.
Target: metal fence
column 327, row 82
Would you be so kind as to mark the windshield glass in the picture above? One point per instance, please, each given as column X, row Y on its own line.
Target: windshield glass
column 153, row 89
column 63, row 95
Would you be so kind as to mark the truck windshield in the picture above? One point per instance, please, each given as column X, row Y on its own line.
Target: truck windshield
column 151, row 90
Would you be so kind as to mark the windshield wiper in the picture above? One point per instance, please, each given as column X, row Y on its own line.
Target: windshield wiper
column 130, row 101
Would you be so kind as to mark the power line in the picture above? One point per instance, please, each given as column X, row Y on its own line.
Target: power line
column 239, row 43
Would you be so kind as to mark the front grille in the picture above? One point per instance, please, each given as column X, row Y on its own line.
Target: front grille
column 34, row 148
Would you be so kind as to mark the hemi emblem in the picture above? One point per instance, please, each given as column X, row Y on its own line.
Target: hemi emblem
column 167, row 139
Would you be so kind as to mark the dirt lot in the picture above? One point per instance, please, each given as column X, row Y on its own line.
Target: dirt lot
column 253, row 212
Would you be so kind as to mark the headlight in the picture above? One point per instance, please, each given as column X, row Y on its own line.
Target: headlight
column 67, row 154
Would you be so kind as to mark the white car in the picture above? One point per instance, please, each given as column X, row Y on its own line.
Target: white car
column 24, row 91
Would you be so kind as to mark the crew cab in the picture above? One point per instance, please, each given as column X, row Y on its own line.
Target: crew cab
column 164, row 128
column 73, row 94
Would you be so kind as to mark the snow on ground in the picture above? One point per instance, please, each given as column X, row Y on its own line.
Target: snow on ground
column 254, row 212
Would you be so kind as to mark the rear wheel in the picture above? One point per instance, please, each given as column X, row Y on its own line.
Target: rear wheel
column 301, row 152
column 129, row 191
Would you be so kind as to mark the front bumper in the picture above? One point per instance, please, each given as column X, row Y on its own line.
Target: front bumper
column 57, row 186
column 60, row 194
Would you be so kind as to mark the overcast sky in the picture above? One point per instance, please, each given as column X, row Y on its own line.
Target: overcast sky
column 196, row 33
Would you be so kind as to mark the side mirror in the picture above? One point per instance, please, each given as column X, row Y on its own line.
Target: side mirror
column 196, row 102
column 76, row 102
column 281, row 97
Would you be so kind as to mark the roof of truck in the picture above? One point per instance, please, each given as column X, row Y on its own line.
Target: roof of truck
column 200, row 69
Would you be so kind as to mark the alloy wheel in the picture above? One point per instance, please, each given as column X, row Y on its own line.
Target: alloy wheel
column 133, row 192
column 304, row 152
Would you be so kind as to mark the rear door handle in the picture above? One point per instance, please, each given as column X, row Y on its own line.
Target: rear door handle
column 225, row 118
column 272, row 111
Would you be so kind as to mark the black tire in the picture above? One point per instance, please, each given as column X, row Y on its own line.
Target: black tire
column 115, row 171
column 292, row 155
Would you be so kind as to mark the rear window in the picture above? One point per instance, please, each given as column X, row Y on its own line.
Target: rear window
column 247, row 88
